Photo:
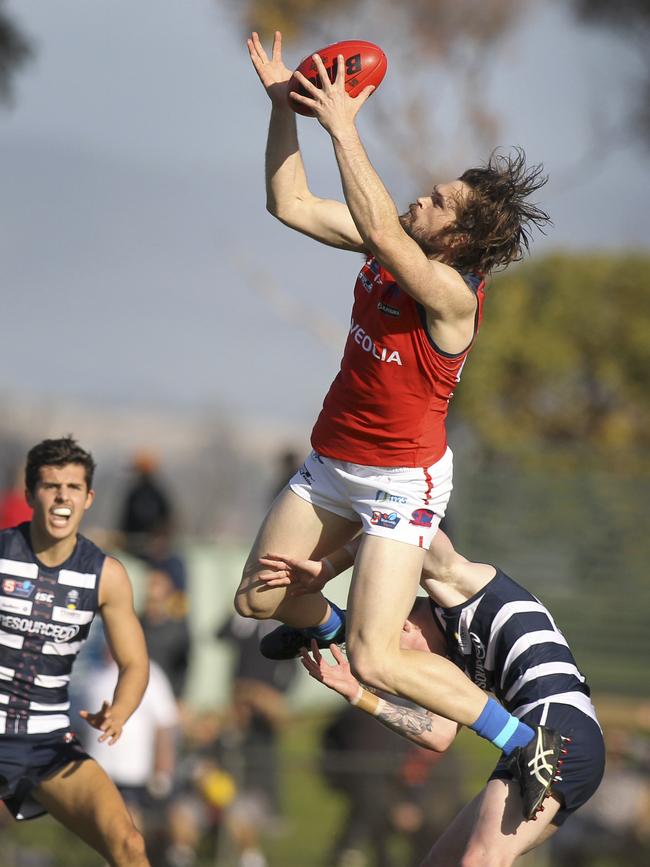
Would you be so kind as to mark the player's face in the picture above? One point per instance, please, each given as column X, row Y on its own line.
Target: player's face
column 59, row 500
column 430, row 214
column 411, row 636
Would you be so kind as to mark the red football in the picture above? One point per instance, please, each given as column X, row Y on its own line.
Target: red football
column 365, row 63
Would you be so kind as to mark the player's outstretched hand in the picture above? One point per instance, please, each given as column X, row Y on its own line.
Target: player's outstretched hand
column 337, row 677
column 299, row 576
column 272, row 72
column 331, row 103
column 103, row 720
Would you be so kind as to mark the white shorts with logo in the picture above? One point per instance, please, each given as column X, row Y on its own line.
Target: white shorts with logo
column 401, row 503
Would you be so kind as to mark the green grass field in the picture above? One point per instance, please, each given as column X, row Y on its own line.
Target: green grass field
column 313, row 813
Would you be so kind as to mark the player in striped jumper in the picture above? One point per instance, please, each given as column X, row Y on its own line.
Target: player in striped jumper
column 507, row 643
column 53, row 581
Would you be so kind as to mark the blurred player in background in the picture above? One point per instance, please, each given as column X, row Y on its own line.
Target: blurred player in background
column 52, row 583
column 165, row 624
column 380, row 450
column 142, row 763
column 147, row 509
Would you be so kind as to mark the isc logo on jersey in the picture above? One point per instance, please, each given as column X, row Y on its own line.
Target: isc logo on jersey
column 44, row 597
column 365, row 341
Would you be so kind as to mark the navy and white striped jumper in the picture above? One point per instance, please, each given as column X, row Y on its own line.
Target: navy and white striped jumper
column 45, row 617
column 507, row 643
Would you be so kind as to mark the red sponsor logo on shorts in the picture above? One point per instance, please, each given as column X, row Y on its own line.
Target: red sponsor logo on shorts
column 422, row 517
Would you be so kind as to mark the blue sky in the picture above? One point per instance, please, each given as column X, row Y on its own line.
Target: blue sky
column 132, row 221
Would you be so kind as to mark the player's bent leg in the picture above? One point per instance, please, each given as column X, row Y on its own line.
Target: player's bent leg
column 384, row 585
column 295, row 528
column 490, row 830
column 83, row 798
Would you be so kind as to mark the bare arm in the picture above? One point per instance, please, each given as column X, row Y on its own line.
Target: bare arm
column 164, row 762
column 432, row 283
column 448, row 577
column 126, row 642
column 416, row 724
column 288, row 196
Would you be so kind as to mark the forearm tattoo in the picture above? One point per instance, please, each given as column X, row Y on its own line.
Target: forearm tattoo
column 409, row 722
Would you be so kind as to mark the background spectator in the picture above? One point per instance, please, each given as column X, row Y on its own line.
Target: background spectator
column 166, row 630
column 205, row 790
column 147, row 508
column 259, row 710
column 392, row 788
column 143, row 760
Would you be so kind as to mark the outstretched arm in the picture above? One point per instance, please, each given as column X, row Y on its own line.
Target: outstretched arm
column 288, row 196
column 432, row 283
column 126, row 642
column 416, row 724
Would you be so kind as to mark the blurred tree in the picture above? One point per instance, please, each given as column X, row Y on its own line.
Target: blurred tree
column 292, row 17
column 443, row 49
column 631, row 18
column 562, row 366
column 15, row 50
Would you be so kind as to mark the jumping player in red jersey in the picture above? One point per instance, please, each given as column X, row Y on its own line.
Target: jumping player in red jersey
column 380, row 456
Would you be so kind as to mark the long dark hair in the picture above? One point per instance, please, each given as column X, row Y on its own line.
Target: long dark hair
column 494, row 223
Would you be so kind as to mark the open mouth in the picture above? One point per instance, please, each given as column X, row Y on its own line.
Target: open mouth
column 60, row 516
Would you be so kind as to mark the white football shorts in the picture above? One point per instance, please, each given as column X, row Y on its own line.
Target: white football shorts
column 401, row 503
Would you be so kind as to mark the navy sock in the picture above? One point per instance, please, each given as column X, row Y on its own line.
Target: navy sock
column 505, row 731
column 330, row 627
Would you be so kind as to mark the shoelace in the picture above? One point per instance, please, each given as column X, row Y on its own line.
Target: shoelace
column 539, row 763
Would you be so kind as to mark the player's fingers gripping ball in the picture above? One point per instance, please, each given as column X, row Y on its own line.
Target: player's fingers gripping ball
column 365, row 64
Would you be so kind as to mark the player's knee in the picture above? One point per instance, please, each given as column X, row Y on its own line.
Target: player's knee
column 249, row 602
column 242, row 604
column 481, row 856
column 131, row 846
column 134, row 847
column 369, row 665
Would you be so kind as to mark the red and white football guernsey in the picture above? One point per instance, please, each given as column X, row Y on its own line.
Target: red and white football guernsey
column 388, row 403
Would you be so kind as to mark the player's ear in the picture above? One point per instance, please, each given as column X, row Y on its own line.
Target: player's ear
column 407, row 627
column 29, row 498
column 90, row 496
